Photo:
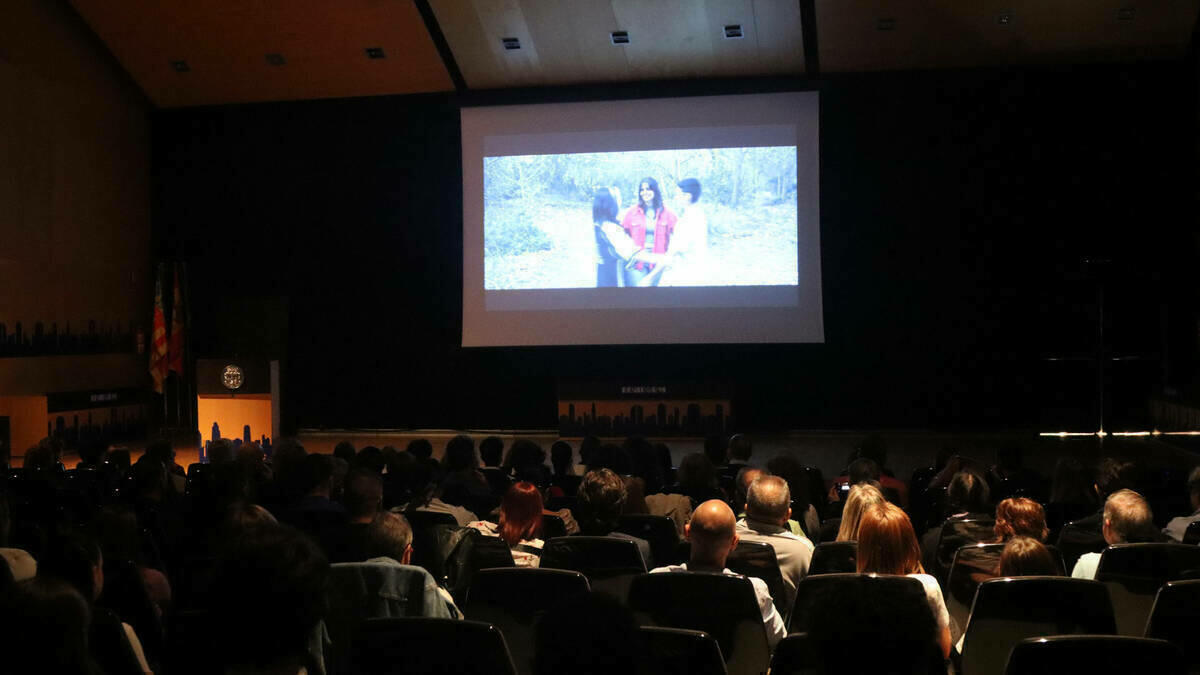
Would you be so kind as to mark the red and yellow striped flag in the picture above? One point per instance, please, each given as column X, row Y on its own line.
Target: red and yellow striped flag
column 158, row 337
column 175, row 353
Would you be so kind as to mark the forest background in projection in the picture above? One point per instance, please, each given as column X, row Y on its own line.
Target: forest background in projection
column 538, row 212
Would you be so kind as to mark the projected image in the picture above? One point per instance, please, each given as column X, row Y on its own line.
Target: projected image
column 704, row 217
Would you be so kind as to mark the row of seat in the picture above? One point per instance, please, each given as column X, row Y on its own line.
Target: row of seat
column 702, row 620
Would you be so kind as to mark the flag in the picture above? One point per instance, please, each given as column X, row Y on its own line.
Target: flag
column 158, row 337
column 175, row 344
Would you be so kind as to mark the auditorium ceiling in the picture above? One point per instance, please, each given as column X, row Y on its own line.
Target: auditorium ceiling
column 237, row 51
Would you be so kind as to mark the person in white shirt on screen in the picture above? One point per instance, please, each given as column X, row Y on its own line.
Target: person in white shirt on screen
column 687, row 257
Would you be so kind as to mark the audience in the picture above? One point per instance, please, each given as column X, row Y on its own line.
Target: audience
column 737, row 455
column 364, row 502
column 463, row 484
column 1026, row 557
column 888, row 545
column 1020, row 517
column 76, row 560
column 44, row 628
column 804, row 512
column 1178, row 526
column 426, row 495
column 767, row 512
column 520, row 524
column 862, row 497
column 697, row 479
column 1126, row 518
column 266, row 602
column 712, row 532
column 601, row 496
column 1085, row 535
column 221, row 544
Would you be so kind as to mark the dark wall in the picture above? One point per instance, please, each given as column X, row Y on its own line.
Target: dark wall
column 969, row 222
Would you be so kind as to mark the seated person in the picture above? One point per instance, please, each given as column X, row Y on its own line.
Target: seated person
column 426, row 494
column 601, row 495
column 316, row 513
column 389, row 540
column 363, row 500
column 767, row 512
column 873, row 449
column 520, row 524
column 1022, row 557
column 266, row 627
column 862, row 497
column 1085, row 534
column 77, row 560
column 44, row 628
column 967, row 498
column 888, row 545
column 1027, row 557
column 712, row 532
column 1127, row 518
column 1020, row 517
column 1178, row 526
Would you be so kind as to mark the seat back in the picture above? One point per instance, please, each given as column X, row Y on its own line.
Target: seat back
column 1010, row 609
column 361, row 591
column 1192, row 534
column 678, row 651
column 430, row 647
column 972, row 565
column 658, row 530
column 1175, row 616
column 957, row 533
column 514, row 598
column 812, row 588
column 758, row 559
column 1059, row 654
column 794, row 655
column 1135, row 572
column 723, row 606
column 595, row 557
column 553, row 526
column 834, row 557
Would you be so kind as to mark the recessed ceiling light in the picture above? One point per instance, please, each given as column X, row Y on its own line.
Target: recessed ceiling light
column 1125, row 14
column 180, row 66
column 276, row 59
column 375, row 53
column 511, row 43
column 733, row 31
column 886, row 24
column 619, row 37
column 1004, row 18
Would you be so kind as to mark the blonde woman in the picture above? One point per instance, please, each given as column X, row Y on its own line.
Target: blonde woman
column 862, row 497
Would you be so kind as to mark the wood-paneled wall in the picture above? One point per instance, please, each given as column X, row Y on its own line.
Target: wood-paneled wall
column 74, row 192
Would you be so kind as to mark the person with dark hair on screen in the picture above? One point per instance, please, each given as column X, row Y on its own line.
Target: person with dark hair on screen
column 650, row 225
column 613, row 245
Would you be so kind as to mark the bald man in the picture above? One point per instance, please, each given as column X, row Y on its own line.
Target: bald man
column 712, row 534
column 768, row 508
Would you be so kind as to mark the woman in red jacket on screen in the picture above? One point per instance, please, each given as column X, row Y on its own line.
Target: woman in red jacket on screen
column 650, row 225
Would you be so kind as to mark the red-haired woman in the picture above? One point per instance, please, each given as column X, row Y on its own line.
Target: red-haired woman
column 520, row 523
column 888, row 545
column 1020, row 517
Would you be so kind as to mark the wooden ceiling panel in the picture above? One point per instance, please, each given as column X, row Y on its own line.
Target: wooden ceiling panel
column 917, row 34
column 225, row 43
column 569, row 40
